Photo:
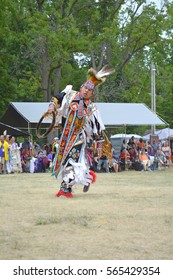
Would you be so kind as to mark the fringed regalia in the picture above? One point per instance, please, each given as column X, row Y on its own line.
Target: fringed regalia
column 81, row 122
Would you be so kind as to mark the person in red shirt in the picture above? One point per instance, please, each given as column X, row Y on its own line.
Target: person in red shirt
column 125, row 159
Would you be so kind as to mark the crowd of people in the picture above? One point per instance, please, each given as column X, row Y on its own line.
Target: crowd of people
column 134, row 154
column 24, row 157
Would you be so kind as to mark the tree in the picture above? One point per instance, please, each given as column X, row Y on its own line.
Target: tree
column 47, row 44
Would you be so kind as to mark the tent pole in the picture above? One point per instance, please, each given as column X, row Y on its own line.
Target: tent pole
column 153, row 94
column 125, row 132
column 169, row 143
column 30, row 134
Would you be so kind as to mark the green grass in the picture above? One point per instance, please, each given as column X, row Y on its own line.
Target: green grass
column 126, row 215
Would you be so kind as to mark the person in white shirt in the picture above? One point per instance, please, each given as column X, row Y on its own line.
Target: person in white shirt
column 16, row 165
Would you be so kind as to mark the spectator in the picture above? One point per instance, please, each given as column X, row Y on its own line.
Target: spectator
column 26, row 152
column 167, row 151
column 39, row 167
column 151, row 154
column 105, row 154
column 144, row 159
column 50, row 158
column 161, row 159
column 103, row 162
column 4, row 154
column 37, row 145
column 125, row 162
column 45, row 162
column 134, row 156
column 154, row 145
column 36, row 150
column 114, row 162
column 9, row 161
column 131, row 142
column 140, row 144
column 23, row 162
column 15, row 156
column 1, row 153
column 45, row 149
column 26, row 145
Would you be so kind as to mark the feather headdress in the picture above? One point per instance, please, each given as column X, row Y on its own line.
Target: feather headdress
column 5, row 133
column 99, row 77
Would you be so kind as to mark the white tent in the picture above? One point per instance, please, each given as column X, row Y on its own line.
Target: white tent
column 125, row 136
column 116, row 140
column 163, row 134
column 27, row 114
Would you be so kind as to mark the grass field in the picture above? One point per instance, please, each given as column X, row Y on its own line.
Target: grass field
column 126, row 215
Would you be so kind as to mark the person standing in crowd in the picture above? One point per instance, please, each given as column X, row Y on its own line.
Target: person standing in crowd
column 167, row 152
column 26, row 153
column 105, row 155
column 50, row 159
column 15, row 156
column 39, row 163
column 154, row 145
column 1, row 153
column 81, row 121
column 9, row 161
column 4, row 154
column 103, row 160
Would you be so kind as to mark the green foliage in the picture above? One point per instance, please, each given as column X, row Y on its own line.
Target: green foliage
column 45, row 45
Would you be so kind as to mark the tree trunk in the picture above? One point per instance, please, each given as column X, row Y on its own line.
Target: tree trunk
column 45, row 76
column 57, row 79
column 40, row 5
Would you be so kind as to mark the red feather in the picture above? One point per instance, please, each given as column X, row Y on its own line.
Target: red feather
column 93, row 174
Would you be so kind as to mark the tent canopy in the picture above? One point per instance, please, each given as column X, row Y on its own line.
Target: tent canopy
column 163, row 134
column 118, row 114
column 125, row 136
column 12, row 130
column 27, row 114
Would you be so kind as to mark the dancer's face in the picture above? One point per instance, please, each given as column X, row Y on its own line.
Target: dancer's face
column 86, row 90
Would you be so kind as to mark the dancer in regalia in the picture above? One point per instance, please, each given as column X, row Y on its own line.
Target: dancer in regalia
column 81, row 123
